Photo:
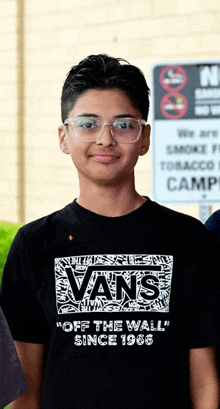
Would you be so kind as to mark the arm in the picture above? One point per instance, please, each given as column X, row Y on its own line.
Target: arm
column 204, row 380
column 32, row 361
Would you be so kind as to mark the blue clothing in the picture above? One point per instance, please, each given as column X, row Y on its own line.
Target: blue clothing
column 213, row 224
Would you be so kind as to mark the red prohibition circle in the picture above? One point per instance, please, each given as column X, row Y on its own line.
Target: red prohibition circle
column 173, row 78
column 173, row 109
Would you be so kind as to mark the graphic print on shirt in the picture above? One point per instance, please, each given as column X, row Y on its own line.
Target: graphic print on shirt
column 110, row 283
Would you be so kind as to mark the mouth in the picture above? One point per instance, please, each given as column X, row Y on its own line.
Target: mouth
column 106, row 157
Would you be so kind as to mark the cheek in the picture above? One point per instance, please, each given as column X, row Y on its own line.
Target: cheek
column 132, row 157
column 78, row 152
column 134, row 151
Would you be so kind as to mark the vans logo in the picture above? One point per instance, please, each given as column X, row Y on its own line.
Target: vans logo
column 110, row 283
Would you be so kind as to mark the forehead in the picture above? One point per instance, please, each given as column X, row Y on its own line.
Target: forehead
column 104, row 103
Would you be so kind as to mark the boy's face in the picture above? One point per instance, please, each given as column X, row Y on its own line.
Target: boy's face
column 105, row 161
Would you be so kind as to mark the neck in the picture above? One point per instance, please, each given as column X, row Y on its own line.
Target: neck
column 110, row 201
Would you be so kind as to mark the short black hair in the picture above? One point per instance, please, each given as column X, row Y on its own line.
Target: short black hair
column 103, row 72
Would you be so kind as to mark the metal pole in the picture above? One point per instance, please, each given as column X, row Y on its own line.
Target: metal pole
column 20, row 111
column 204, row 213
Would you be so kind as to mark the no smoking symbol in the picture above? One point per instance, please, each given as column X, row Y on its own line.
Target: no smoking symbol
column 173, row 105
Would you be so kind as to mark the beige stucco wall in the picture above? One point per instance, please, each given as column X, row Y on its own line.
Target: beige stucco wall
column 57, row 35
column 8, row 168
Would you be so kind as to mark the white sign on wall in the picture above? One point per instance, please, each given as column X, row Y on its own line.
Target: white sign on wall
column 185, row 118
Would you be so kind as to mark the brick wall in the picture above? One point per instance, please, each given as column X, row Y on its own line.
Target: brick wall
column 58, row 34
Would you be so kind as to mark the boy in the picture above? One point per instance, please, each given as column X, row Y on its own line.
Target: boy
column 114, row 296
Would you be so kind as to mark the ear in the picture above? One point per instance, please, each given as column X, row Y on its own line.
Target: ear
column 145, row 140
column 63, row 135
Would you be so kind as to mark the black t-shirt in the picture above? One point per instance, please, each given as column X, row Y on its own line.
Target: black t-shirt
column 118, row 301
column 12, row 382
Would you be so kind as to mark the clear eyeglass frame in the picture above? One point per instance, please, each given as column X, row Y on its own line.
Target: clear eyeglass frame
column 73, row 121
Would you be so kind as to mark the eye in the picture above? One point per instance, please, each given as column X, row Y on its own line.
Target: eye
column 87, row 124
column 123, row 124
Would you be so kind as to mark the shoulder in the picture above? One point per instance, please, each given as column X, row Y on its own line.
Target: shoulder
column 175, row 219
column 39, row 229
column 213, row 221
column 181, row 227
column 213, row 224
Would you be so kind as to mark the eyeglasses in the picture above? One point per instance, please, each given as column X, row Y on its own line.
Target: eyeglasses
column 123, row 130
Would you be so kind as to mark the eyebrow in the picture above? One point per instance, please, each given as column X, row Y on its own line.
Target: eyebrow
column 90, row 115
column 125, row 116
column 87, row 114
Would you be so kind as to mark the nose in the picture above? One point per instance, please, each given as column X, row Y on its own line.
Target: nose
column 105, row 138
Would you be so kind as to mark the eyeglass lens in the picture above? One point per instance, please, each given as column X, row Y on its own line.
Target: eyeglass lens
column 123, row 129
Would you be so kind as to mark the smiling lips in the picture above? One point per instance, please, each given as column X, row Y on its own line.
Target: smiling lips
column 105, row 157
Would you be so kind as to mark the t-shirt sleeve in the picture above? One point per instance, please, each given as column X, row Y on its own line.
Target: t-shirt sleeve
column 204, row 295
column 12, row 378
column 18, row 297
